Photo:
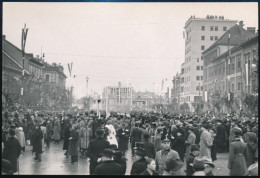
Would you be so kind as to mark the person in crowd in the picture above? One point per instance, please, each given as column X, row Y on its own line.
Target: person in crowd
column 111, row 137
column 11, row 152
column 21, row 139
column 173, row 167
column 139, row 164
column 56, row 131
column 190, row 158
column 190, row 140
column 252, row 146
column 221, row 137
column 48, row 134
column 209, row 166
column 151, row 168
column 213, row 148
column 148, row 146
column 73, row 144
column 95, row 147
column 37, row 142
column 179, row 144
column 198, row 166
column 83, row 139
column 123, row 138
column 158, row 139
column 135, row 136
column 163, row 155
column 238, row 155
column 119, row 157
column 205, row 141
column 108, row 166
column 67, row 132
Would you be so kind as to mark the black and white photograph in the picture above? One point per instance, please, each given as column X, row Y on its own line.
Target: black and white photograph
column 130, row 88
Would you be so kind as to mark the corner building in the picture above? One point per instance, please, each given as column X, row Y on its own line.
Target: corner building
column 200, row 33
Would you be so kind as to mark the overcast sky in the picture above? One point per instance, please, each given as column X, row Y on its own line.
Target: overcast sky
column 141, row 43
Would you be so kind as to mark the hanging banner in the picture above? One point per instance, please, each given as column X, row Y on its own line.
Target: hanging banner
column 246, row 74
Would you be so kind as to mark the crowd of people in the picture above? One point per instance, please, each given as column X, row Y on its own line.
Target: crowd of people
column 161, row 144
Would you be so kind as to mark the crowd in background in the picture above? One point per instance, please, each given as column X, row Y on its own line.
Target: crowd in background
column 160, row 143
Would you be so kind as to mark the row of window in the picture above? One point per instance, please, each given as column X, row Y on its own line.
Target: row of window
column 199, row 77
column 213, row 28
column 199, row 68
column 212, row 38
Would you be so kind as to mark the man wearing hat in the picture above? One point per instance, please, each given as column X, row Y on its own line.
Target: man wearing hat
column 190, row 158
column 163, row 155
column 190, row 140
column 108, row 166
column 95, row 147
column 136, row 135
column 12, row 151
column 139, row 165
column 221, row 137
column 173, row 167
column 198, row 166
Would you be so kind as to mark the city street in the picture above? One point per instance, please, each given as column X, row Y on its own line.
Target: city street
column 55, row 163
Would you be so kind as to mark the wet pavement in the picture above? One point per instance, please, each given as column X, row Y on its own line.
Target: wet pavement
column 54, row 162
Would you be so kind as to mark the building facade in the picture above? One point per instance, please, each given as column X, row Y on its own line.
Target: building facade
column 117, row 98
column 224, row 75
column 200, row 33
column 176, row 91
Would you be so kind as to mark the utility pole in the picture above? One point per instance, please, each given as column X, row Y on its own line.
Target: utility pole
column 24, row 35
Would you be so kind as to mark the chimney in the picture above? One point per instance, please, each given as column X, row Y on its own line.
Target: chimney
column 241, row 24
column 251, row 30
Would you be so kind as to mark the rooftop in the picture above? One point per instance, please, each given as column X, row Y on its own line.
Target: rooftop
column 208, row 18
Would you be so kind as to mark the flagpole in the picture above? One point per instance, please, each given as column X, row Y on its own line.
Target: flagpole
column 24, row 35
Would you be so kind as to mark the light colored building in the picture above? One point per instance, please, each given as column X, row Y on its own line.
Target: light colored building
column 225, row 70
column 117, row 98
column 200, row 33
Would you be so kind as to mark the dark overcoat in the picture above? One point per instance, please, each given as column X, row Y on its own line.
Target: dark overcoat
column 138, row 167
column 149, row 149
column 221, row 137
column 136, row 136
column 12, row 151
column 109, row 168
column 73, row 143
column 238, row 155
column 95, row 147
column 179, row 146
column 123, row 138
column 66, row 136
column 37, row 141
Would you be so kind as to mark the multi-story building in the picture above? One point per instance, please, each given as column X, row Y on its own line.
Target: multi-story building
column 176, row 90
column 225, row 64
column 200, row 34
column 117, row 98
column 55, row 74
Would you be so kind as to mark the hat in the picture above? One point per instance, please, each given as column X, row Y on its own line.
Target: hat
column 165, row 140
column 208, row 161
column 237, row 130
column 194, row 147
column 253, row 169
column 173, row 165
column 139, row 149
column 107, row 152
column 198, row 163
column 100, row 132
column 191, row 128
